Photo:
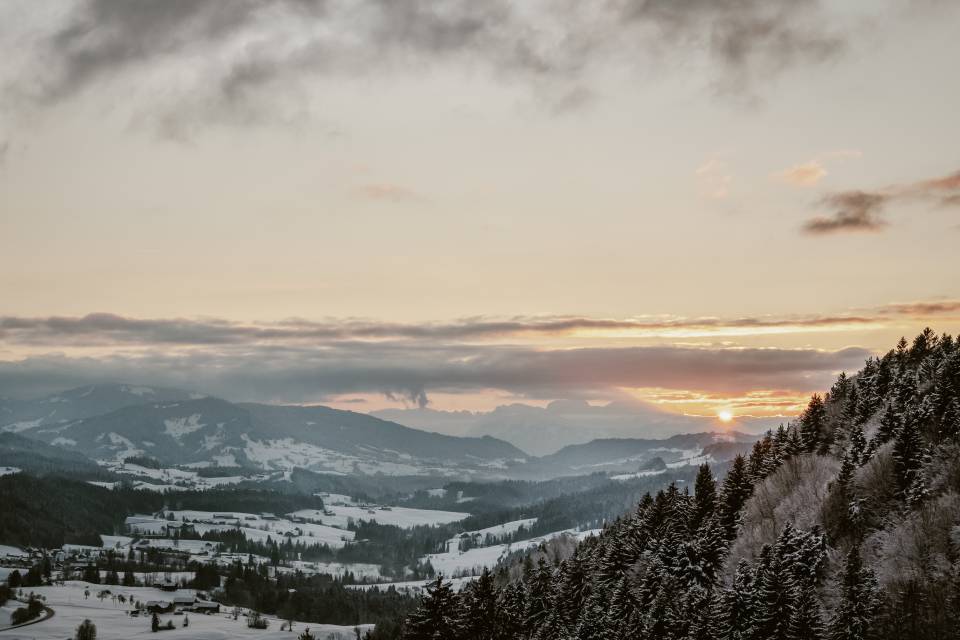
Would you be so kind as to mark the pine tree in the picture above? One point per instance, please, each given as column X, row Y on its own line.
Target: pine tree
column 858, row 445
column 479, row 607
column 806, row 619
column 538, row 601
column 736, row 607
column 573, row 590
column 593, row 623
column 841, row 388
column 86, row 631
column 907, row 455
column 856, row 611
column 623, row 616
column 813, row 423
column 509, row 622
column 771, row 604
column 704, row 496
column 436, row 617
column 737, row 488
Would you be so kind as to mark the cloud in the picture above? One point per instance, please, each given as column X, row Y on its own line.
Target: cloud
column 804, row 175
column 105, row 329
column 202, row 61
column 859, row 211
column 807, row 174
column 852, row 211
column 921, row 309
column 307, row 374
column 307, row 361
column 111, row 330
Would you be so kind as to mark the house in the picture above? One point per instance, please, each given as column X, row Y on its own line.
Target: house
column 202, row 606
column 183, row 601
column 166, row 585
column 159, row 606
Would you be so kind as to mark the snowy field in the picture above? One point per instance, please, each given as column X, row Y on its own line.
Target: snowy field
column 413, row 587
column 6, row 471
column 286, row 454
column 170, row 479
column 113, row 623
column 639, row 474
column 497, row 531
column 253, row 526
column 398, row 516
column 475, row 560
column 360, row 570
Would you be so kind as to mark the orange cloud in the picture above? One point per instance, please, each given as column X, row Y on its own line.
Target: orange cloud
column 806, row 174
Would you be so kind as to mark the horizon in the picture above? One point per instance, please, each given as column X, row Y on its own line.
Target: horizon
column 497, row 206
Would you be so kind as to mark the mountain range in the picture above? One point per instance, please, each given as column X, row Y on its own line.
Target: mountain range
column 113, row 423
column 545, row 430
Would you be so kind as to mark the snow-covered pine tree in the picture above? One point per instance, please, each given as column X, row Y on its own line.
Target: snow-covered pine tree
column 478, row 608
column 855, row 613
column 772, row 597
column 737, row 488
column 704, row 497
column 813, row 423
column 438, row 615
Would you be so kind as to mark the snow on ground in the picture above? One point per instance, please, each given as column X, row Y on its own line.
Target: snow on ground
column 413, row 587
column 6, row 471
column 360, row 570
column 6, row 611
column 194, row 547
column 256, row 527
column 171, row 479
column 287, row 453
column 22, row 425
column 253, row 526
column 692, row 460
column 497, row 531
column 336, row 498
column 116, row 542
column 398, row 516
column 475, row 560
column 639, row 474
column 113, row 623
column 179, row 427
column 11, row 551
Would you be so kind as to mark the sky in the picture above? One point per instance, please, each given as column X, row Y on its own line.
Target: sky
column 709, row 205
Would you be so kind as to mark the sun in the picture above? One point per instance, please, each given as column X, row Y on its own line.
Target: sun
column 725, row 415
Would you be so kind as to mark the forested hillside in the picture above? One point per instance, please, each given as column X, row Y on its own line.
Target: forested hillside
column 844, row 524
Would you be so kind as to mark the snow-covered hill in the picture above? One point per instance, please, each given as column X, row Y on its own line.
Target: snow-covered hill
column 208, row 431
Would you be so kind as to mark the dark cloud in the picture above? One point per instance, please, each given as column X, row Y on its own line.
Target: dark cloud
column 239, row 52
column 106, row 329
column 302, row 361
column 922, row 308
column 307, row 374
column 852, row 211
column 858, row 211
column 110, row 329
column 748, row 37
